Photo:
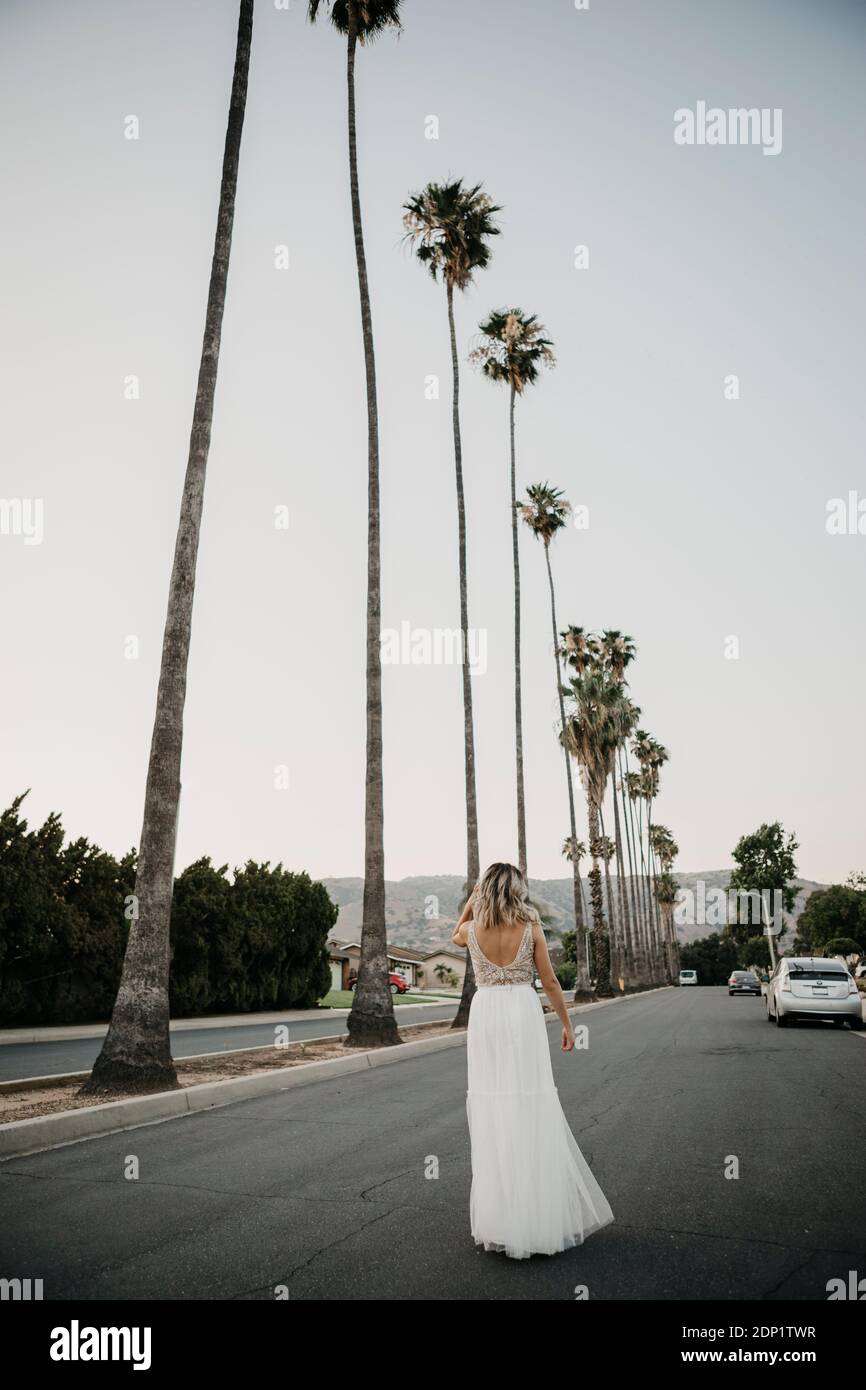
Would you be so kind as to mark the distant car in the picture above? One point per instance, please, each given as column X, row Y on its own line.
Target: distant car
column 813, row 987
column 688, row 977
column 744, row 982
column 396, row 983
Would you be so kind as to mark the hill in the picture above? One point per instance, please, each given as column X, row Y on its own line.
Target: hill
column 420, row 912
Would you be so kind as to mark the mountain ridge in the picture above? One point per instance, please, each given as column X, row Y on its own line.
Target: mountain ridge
column 421, row 909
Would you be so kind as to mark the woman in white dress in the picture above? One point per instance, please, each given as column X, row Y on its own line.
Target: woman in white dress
column 533, row 1191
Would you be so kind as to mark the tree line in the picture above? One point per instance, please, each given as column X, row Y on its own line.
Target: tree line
column 254, row 939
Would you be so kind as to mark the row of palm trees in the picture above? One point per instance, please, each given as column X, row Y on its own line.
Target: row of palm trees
column 450, row 226
column 633, row 939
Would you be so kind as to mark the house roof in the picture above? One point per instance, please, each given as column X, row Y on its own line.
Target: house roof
column 339, row 949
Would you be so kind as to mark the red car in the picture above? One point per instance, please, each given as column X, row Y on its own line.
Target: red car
column 397, row 983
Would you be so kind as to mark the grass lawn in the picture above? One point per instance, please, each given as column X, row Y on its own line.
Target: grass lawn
column 342, row 999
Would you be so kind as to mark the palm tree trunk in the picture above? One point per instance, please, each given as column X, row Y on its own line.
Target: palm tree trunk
column 647, row 891
column 638, row 836
column 586, row 943
column 136, row 1053
column 518, row 714
column 640, row 955
column 614, row 947
column 620, row 874
column 600, row 941
column 371, row 1018
column 664, row 955
column 473, row 866
column 582, row 975
column 652, row 893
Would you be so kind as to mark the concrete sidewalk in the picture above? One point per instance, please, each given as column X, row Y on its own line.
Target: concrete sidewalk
column 64, row 1032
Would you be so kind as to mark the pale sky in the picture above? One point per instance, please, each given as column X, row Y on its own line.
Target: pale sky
column 707, row 515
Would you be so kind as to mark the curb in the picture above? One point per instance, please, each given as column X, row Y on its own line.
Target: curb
column 19, row 1138
column 73, row 1032
column 41, row 1083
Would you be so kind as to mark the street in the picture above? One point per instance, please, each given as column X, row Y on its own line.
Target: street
column 54, row 1057
column 325, row 1189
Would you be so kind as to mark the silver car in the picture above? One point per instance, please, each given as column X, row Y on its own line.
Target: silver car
column 813, row 987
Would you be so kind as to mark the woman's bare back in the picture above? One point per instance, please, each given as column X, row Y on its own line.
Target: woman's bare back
column 500, row 944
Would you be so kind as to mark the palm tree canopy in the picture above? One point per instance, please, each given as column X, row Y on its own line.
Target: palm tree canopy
column 577, row 649
column 546, row 512
column 617, row 650
column 605, row 848
column 372, row 17
column 512, row 347
column 664, row 844
column 667, row 889
column 449, row 227
column 573, row 849
column 592, row 730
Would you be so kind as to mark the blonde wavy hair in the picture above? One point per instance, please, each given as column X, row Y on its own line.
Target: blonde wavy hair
column 501, row 898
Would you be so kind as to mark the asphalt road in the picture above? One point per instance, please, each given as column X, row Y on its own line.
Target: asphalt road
column 20, row 1060
column 323, row 1188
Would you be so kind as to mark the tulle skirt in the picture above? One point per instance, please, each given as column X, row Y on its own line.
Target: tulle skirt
column 532, row 1189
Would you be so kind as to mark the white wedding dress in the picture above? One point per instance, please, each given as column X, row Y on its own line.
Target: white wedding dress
column 533, row 1191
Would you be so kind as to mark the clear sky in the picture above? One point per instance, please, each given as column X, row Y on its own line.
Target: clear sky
column 707, row 515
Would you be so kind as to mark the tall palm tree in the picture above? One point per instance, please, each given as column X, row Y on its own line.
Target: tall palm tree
column 546, row 513
column 641, row 748
column 607, row 850
column 575, row 850
column 629, row 719
column 616, row 651
column 371, row 1019
column 636, row 788
column 656, row 756
column 136, row 1053
column 588, row 734
column 450, row 228
column 666, row 848
column 512, row 349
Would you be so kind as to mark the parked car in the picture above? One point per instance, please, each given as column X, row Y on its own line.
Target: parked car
column 744, row 982
column 688, row 977
column 397, row 983
column 812, row 987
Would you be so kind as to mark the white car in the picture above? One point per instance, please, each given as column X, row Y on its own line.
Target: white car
column 813, row 987
column 688, row 977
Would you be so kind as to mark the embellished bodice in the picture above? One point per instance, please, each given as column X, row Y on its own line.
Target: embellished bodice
column 521, row 970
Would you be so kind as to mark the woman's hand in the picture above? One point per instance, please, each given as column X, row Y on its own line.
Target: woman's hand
column 567, row 1040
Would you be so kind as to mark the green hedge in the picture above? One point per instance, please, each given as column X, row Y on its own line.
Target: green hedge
column 252, row 941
